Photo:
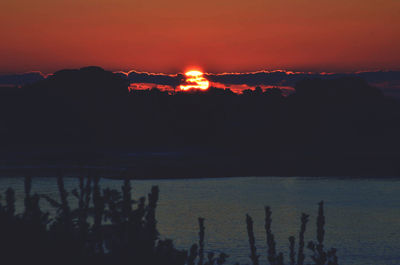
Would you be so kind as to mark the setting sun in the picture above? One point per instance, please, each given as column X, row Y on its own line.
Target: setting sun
column 195, row 80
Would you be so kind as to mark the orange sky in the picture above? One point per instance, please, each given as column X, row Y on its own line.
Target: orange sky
column 217, row 35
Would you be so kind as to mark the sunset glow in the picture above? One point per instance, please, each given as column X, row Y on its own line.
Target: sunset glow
column 195, row 81
column 221, row 36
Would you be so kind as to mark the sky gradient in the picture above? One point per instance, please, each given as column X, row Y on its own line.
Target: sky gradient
column 218, row 36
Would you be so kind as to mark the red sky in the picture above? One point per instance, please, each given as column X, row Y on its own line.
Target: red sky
column 217, row 35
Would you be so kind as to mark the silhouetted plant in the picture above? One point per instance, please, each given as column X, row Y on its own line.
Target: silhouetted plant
column 130, row 236
column 301, row 256
column 270, row 237
column 252, row 241
column 192, row 255
column 151, row 213
column 10, row 202
column 83, row 207
column 292, row 253
column 201, row 241
column 118, row 233
column 27, row 200
column 319, row 256
column 127, row 201
column 220, row 259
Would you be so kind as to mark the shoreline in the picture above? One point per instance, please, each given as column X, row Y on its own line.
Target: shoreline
column 189, row 164
column 74, row 172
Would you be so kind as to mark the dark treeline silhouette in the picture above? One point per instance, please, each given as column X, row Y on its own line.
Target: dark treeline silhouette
column 326, row 127
column 109, row 227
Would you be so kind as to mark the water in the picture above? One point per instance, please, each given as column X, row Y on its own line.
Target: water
column 362, row 215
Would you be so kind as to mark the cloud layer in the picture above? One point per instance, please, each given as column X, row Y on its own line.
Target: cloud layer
column 21, row 79
column 388, row 81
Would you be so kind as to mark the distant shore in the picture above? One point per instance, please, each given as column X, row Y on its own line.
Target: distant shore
column 195, row 164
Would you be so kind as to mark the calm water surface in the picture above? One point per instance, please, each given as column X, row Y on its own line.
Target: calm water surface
column 362, row 215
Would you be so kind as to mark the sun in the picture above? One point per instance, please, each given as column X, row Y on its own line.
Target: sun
column 195, row 80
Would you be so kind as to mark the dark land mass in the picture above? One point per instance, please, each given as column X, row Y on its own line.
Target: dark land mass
column 88, row 121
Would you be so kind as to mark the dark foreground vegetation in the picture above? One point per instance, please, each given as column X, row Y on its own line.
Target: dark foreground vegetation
column 108, row 227
column 325, row 127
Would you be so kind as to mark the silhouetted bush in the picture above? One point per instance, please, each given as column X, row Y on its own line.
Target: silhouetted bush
column 109, row 227
column 104, row 229
column 319, row 256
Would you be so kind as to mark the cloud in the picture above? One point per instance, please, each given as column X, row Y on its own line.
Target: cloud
column 289, row 78
column 21, row 79
column 388, row 81
column 153, row 78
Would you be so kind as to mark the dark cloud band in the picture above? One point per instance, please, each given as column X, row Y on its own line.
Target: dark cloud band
column 386, row 80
